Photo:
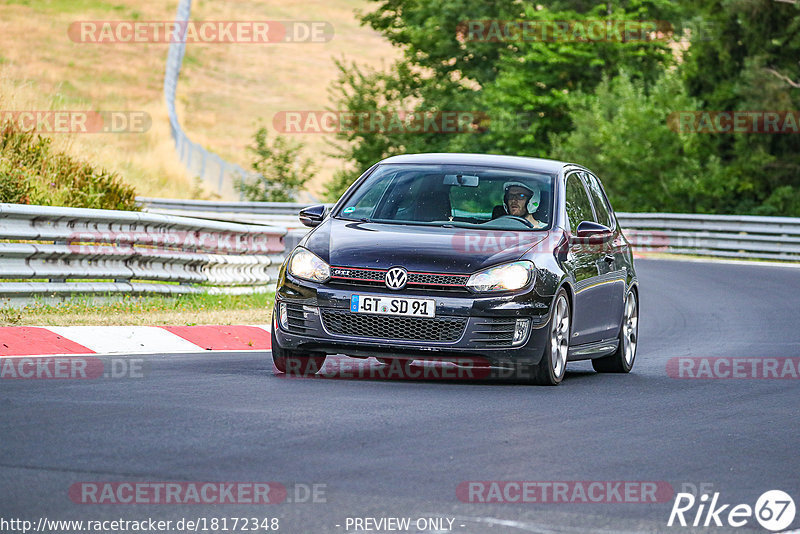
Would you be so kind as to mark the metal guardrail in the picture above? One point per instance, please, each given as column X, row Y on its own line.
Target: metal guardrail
column 730, row 236
column 270, row 213
column 56, row 251
column 261, row 208
column 59, row 251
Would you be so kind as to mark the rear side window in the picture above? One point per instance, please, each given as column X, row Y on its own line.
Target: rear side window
column 579, row 208
column 601, row 206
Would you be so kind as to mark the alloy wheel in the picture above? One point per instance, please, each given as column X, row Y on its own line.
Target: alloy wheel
column 630, row 329
column 559, row 337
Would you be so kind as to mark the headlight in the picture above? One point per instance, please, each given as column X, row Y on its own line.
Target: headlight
column 306, row 265
column 506, row 277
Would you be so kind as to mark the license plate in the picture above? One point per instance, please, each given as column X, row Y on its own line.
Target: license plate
column 393, row 306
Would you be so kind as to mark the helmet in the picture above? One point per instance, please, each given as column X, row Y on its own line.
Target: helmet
column 533, row 202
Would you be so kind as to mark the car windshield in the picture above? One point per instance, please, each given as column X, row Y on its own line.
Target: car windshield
column 453, row 195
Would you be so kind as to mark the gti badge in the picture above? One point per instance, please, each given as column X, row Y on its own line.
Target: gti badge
column 396, row 278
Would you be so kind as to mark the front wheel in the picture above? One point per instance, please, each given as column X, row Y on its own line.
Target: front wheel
column 551, row 370
column 622, row 360
column 293, row 363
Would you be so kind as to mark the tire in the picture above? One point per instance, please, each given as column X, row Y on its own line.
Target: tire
column 294, row 363
column 551, row 369
column 622, row 360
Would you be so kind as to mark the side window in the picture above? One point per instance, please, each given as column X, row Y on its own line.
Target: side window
column 578, row 206
column 365, row 206
column 601, row 206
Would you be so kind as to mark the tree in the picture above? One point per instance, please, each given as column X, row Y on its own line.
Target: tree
column 622, row 132
column 280, row 168
column 518, row 90
column 538, row 76
column 748, row 61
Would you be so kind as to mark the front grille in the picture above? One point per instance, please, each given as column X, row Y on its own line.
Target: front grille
column 437, row 279
column 359, row 275
column 387, row 327
column 375, row 277
column 493, row 332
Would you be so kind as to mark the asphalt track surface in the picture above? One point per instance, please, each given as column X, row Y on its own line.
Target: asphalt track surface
column 400, row 448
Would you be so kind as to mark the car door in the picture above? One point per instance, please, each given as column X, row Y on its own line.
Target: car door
column 589, row 321
column 612, row 270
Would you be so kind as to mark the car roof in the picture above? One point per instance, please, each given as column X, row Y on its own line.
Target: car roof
column 493, row 160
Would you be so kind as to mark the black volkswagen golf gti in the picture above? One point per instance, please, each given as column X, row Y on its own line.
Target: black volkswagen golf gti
column 516, row 262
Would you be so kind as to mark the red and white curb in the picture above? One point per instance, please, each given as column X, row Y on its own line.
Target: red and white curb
column 74, row 340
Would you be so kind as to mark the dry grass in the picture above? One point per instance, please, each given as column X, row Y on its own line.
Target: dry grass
column 226, row 90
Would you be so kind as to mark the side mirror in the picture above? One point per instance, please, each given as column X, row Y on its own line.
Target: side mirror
column 312, row 216
column 589, row 230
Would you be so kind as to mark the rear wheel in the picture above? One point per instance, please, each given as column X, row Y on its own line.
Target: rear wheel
column 622, row 360
column 295, row 363
column 551, row 369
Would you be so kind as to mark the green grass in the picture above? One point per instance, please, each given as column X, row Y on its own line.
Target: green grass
column 141, row 310
column 67, row 6
column 149, row 303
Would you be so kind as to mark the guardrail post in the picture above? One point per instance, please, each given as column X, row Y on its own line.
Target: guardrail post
column 221, row 173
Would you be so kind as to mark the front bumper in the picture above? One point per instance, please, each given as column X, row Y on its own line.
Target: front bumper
column 466, row 325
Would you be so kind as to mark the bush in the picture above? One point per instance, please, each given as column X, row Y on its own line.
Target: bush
column 15, row 188
column 32, row 173
column 281, row 170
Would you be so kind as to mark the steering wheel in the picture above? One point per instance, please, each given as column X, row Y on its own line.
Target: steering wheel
column 521, row 219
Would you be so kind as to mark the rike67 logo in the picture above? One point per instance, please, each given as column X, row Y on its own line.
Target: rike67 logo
column 774, row 510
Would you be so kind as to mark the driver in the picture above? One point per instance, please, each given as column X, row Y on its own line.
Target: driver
column 521, row 200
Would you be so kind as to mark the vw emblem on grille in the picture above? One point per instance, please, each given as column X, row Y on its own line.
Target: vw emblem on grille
column 396, row 278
